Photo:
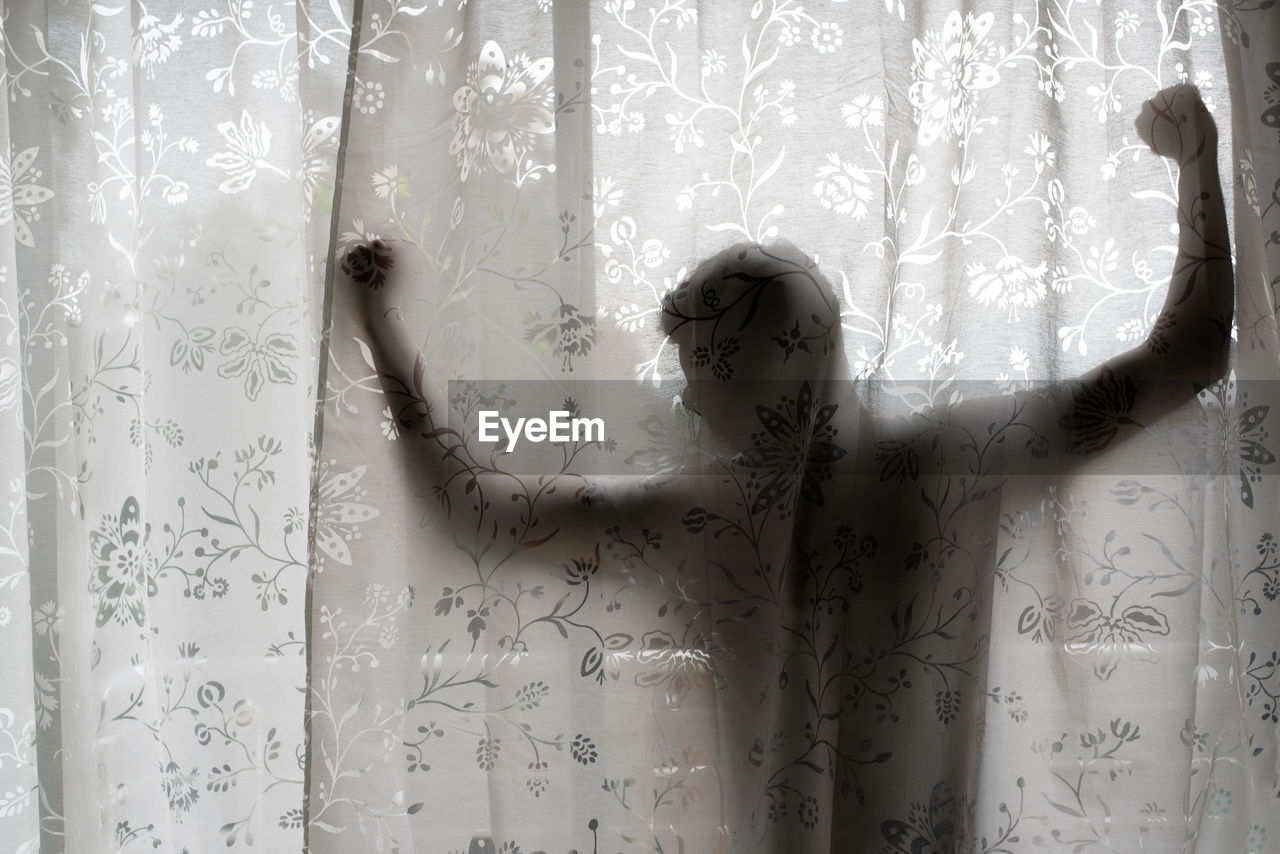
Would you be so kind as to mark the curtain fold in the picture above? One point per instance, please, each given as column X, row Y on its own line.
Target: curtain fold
column 167, row 172
column 240, row 592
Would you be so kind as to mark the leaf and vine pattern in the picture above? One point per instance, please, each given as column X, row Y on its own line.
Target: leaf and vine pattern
column 760, row 665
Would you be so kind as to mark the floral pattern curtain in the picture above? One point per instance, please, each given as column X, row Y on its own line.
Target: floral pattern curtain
column 168, row 172
column 239, row 610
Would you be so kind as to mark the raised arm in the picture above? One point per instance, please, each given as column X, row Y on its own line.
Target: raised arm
column 1186, row 350
column 1188, row 345
column 530, row 509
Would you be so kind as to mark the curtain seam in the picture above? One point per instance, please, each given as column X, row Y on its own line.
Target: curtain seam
column 322, row 378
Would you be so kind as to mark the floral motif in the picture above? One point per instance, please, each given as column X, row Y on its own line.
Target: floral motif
column 47, row 619
column 1110, row 639
column 248, row 145
column 388, row 182
column 259, row 362
column 369, row 264
column 1249, row 183
column 798, row 438
column 368, row 97
column 20, row 194
column 864, row 108
column 1079, row 220
column 1098, row 409
column 583, row 750
column 1013, row 284
column 808, row 812
column 501, row 110
column 569, row 335
column 930, row 827
column 340, row 512
column 179, row 789
column 673, row 444
column 675, row 668
column 719, row 356
column 949, row 68
column 47, row 701
column 1231, row 440
column 10, row 383
column 123, row 566
column 154, row 41
column 826, row 37
column 843, row 187
column 1271, row 115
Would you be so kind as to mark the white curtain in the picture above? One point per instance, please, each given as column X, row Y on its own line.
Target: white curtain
column 238, row 610
column 167, row 175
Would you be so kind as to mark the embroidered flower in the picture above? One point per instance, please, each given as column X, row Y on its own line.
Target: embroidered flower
column 1271, row 94
column 389, row 180
column 247, row 147
column 10, row 383
column 672, row 667
column 20, row 194
column 389, row 425
column 1249, row 182
column 581, row 569
column 369, row 264
column 501, row 110
column 583, row 750
column 340, row 511
column 930, row 828
column 826, row 37
column 259, row 362
column 1109, row 638
column 808, row 813
column 123, row 567
column 179, row 788
column 843, row 187
column 864, row 108
column 1012, row 284
column 1098, row 409
column 673, row 445
column 570, row 335
column 1079, row 220
column 1231, row 439
column 1126, row 22
column 797, row 442
column 46, row 700
column 154, row 41
column 368, row 97
column 319, row 145
column 47, row 619
column 949, row 68
column 713, row 62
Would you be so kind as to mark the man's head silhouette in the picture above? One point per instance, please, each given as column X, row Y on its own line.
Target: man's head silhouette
column 750, row 317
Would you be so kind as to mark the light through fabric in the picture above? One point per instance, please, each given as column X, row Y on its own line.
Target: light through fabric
column 635, row 426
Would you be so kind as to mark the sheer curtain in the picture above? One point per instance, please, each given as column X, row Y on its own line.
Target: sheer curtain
column 168, row 172
column 238, row 609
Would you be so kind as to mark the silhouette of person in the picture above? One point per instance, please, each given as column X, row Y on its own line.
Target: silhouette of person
column 758, row 333
column 765, row 318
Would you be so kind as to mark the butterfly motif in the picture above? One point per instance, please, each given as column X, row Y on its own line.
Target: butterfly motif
column 1271, row 115
column 931, row 831
column 318, row 144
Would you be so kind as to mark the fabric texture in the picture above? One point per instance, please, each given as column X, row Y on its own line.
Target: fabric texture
column 167, row 171
column 245, row 603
